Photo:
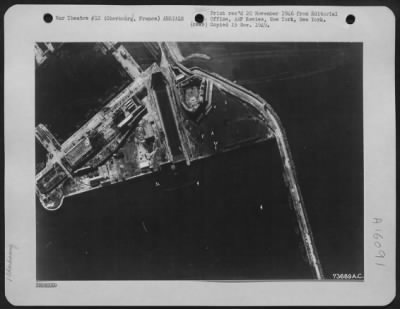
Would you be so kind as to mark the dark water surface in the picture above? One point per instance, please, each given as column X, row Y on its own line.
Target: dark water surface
column 217, row 229
column 73, row 85
column 316, row 89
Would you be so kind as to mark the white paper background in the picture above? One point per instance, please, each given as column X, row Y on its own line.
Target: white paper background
column 24, row 25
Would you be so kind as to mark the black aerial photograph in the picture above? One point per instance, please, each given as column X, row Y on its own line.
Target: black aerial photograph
column 215, row 161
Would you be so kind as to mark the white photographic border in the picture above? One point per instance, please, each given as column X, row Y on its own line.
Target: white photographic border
column 374, row 27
